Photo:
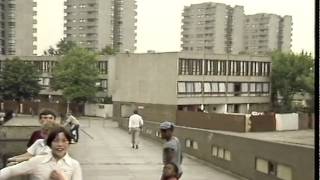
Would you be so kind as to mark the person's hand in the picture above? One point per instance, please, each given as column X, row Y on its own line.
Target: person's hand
column 12, row 163
column 12, row 159
column 57, row 175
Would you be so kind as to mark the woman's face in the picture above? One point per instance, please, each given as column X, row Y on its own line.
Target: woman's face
column 169, row 170
column 60, row 146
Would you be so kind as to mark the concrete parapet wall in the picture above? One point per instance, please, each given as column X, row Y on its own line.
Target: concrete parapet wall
column 17, row 132
column 239, row 154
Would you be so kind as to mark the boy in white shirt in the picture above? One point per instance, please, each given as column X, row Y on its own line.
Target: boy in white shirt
column 135, row 126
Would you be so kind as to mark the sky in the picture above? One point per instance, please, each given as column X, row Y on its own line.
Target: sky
column 159, row 21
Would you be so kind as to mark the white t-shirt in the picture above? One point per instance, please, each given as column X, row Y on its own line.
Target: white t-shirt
column 135, row 121
column 39, row 147
column 40, row 168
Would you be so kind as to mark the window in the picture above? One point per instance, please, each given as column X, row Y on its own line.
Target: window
column 227, row 155
column 103, row 67
column 259, row 87
column 207, row 87
column 223, row 68
column 215, row 87
column 197, row 86
column 211, row 67
column 214, row 151
column 190, row 87
column 222, row 87
column 262, row 165
column 265, row 87
column 104, row 84
column 188, row 143
column 284, row 172
column 181, row 87
column 220, row 152
column 195, row 145
column 190, row 66
column 231, row 87
column 273, row 168
column 252, row 87
column 244, row 87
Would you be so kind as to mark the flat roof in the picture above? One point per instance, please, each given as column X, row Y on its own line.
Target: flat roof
column 297, row 137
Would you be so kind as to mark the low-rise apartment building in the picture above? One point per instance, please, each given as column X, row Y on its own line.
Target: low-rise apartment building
column 166, row 82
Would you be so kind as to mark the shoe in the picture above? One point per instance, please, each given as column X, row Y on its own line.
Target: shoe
column 72, row 141
column 132, row 146
column 137, row 146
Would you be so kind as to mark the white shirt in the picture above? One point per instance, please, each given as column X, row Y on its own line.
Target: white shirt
column 40, row 168
column 71, row 119
column 135, row 121
column 39, row 148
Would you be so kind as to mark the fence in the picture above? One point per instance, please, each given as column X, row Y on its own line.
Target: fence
column 29, row 107
column 268, row 122
column 212, row 121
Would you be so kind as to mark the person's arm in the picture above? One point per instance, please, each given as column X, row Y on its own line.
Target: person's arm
column 77, row 174
column 67, row 121
column 141, row 121
column 31, row 151
column 23, row 168
column 31, row 139
column 168, row 155
column 22, row 157
column 130, row 124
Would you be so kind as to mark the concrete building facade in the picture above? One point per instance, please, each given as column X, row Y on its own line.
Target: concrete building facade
column 213, row 27
column 100, row 23
column 219, row 28
column 189, row 82
column 268, row 32
column 18, row 27
column 45, row 65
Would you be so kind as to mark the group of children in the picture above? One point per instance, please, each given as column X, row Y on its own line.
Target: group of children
column 47, row 154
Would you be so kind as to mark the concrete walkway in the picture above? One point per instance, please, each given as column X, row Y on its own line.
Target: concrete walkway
column 104, row 152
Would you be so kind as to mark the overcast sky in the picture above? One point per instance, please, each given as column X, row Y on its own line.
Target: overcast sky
column 159, row 21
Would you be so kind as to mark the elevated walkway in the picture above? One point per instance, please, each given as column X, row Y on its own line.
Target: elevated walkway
column 105, row 152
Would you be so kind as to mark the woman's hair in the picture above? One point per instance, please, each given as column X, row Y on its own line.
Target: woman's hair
column 54, row 134
column 50, row 127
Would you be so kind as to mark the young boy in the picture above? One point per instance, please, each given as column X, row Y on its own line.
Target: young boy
column 170, row 172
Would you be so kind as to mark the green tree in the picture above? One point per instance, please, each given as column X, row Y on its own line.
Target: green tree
column 291, row 74
column 63, row 47
column 76, row 75
column 108, row 51
column 19, row 80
